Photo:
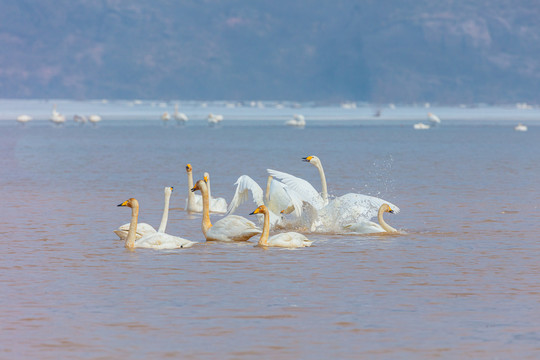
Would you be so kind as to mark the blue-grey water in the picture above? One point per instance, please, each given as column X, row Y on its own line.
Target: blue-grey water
column 461, row 283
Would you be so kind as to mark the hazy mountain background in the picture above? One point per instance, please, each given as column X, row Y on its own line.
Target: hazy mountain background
column 371, row 50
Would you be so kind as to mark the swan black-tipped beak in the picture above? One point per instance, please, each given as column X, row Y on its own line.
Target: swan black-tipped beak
column 391, row 212
column 193, row 189
column 305, row 159
column 119, row 205
column 253, row 213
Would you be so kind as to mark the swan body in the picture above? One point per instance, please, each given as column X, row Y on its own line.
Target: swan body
column 229, row 228
column 194, row 202
column 521, row 127
column 56, row 117
column 433, row 118
column 277, row 199
column 165, row 116
column 214, row 119
column 369, row 227
column 297, row 121
column 287, row 240
column 178, row 116
column 147, row 229
column 159, row 240
column 23, row 119
column 421, row 126
column 324, row 215
column 94, row 118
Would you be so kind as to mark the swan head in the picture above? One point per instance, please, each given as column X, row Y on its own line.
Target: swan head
column 387, row 208
column 312, row 160
column 199, row 185
column 260, row 210
column 188, row 168
column 206, row 177
column 169, row 190
column 132, row 203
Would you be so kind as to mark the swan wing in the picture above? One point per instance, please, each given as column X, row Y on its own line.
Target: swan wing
column 304, row 189
column 244, row 185
column 162, row 241
column 142, row 230
column 195, row 205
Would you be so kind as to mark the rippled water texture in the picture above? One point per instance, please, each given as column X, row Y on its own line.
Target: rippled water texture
column 461, row 283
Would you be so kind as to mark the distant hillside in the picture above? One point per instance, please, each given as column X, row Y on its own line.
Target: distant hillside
column 379, row 51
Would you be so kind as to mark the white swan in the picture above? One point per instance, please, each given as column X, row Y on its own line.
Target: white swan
column 369, row 227
column 288, row 239
column 79, row 118
column 194, row 202
column 331, row 215
column 433, row 118
column 165, row 117
column 421, row 126
column 214, row 119
column 144, row 228
column 217, row 205
column 520, row 127
column 229, row 228
column 277, row 198
column 23, row 119
column 56, row 117
column 158, row 240
column 94, row 119
column 178, row 116
column 297, row 121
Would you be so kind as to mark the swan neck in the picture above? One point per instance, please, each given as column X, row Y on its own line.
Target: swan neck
column 323, row 183
column 206, row 224
column 263, row 241
column 383, row 223
column 132, row 232
column 267, row 194
column 208, row 186
column 191, row 195
column 165, row 217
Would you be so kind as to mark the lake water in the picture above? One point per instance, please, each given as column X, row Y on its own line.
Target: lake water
column 461, row 283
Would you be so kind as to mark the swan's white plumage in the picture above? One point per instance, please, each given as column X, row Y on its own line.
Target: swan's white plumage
column 144, row 229
column 159, row 240
column 287, row 240
column 229, row 228
column 303, row 188
column 369, row 227
column 217, row 205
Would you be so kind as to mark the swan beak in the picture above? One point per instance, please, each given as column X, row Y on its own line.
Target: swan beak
column 307, row 159
column 205, row 179
column 172, row 188
column 256, row 211
column 123, row 204
column 188, row 167
column 193, row 189
column 391, row 211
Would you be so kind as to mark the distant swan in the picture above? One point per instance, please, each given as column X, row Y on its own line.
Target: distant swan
column 214, row 119
column 369, row 227
column 23, row 119
column 194, row 202
column 287, row 239
column 158, row 240
column 178, row 116
column 297, row 121
column 94, row 119
column 165, row 116
column 433, row 118
column 421, row 126
column 228, row 228
column 144, row 228
column 56, row 117
column 521, row 127
column 277, row 198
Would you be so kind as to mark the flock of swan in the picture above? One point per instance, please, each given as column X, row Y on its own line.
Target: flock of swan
column 288, row 203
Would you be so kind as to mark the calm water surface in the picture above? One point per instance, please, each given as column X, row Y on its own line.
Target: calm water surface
column 461, row 283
